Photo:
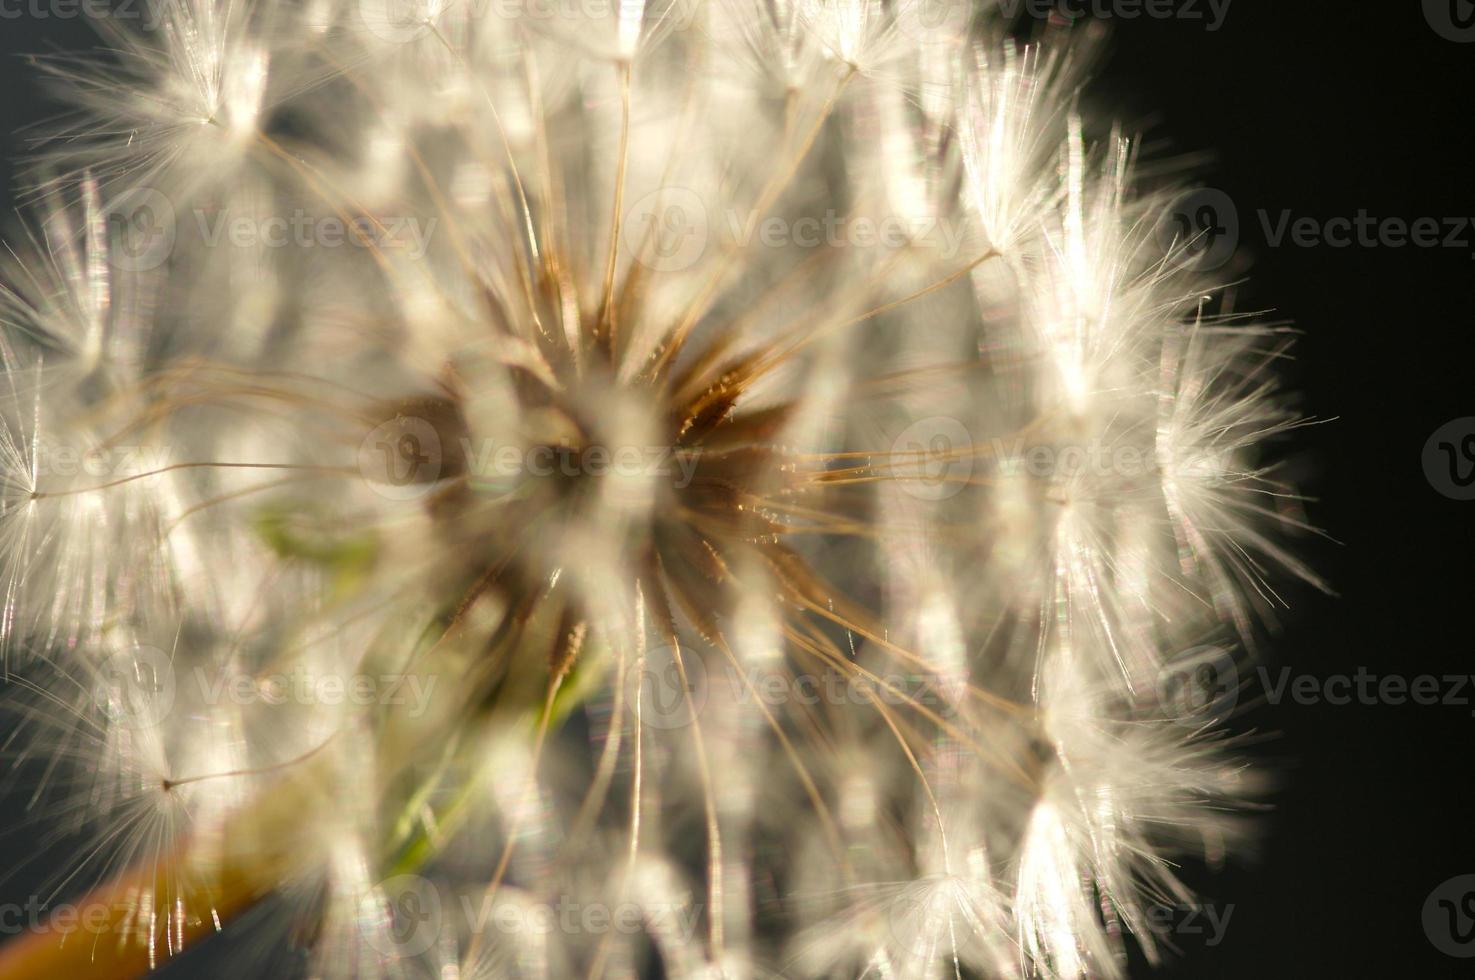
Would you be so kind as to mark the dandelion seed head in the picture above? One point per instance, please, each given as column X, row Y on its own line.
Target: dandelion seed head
column 724, row 478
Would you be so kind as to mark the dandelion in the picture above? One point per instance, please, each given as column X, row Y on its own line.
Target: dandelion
column 690, row 487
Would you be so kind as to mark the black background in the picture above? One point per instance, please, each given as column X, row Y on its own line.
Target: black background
column 1324, row 109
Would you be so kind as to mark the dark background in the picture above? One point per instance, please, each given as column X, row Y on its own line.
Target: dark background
column 1324, row 109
